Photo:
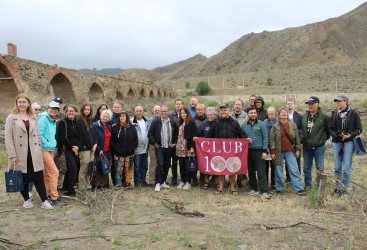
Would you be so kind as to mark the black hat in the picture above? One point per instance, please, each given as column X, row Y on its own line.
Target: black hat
column 58, row 99
column 312, row 100
column 224, row 105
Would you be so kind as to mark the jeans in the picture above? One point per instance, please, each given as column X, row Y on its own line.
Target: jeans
column 286, row 168
column 340, row 160
column 140, row 167
column 164, row 162
column 308, row 155
column 256, row 164
column 185, row 176
column 293, row 172
column 174, row 164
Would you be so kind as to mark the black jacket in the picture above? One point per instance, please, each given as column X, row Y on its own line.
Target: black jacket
column 174, row 116
column 225, row 128
column 199, row 121
column 72, row 138
column 124, row 141
column 354, row 125
column 189, row 134
column 297, row 118
column 88, row 138
column 154, row 133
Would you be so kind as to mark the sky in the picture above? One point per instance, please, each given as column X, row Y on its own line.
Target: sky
column 146, row 33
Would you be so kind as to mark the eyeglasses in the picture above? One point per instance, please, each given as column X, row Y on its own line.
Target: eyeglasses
column 164, row 111
column 71, row 111
column 37, row 109
column 157, row 111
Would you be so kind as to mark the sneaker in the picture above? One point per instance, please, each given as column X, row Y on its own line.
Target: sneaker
column 187, row 186
column 164, row 185
column 301, row 192
column 337, row 192
column 58, row 202
column 30, row 194
column 28, row 204
column 180, row 186
column 46, row 205
column 157, row 187
column 266, row 196
column 253, row 192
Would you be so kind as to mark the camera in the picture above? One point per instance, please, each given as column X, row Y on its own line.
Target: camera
column 339, row 135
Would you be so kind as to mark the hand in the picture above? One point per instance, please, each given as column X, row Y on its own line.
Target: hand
column 173, row 145
column 346, row 136
column 101, row 153
column 273, row 156
column 14, row 160
column 263, row 156
column 192, row 150
column 249, row 140
column 194, row 138
column 94, row 148
column 156, row 145
column 298, row 153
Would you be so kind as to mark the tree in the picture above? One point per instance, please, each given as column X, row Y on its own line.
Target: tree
column 269, row 81
column 203, row 88
column 187, row 84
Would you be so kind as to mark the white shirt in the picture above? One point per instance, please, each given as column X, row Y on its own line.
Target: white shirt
column 143, row 129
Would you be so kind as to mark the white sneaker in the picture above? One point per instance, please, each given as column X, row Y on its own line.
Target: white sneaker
column 266, row 196
column 164, row 185
column 253, row 192
column 30, row 194
column 28, row 204
column 46, row 205
column 157, row 187
column 180, row 186
column 187, row 186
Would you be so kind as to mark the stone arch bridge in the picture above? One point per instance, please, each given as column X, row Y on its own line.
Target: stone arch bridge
column 42, row 82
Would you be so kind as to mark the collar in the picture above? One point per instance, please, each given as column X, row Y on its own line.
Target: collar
column 248, row 122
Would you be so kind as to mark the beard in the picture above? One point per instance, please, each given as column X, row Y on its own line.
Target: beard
column 252, row 118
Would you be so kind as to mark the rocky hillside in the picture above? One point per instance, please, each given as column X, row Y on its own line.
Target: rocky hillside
column 181, row 65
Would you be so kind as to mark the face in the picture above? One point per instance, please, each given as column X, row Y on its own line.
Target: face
column 258, row 104
column 193, row 102
column 157, row 111
column 341, row 104
column 251, row 100
column 164, row 112
column 238, row 106
column 53, row 111
column 139, row 112
column 283, row 114
column 224, row 112
column 61, row 105
column 290, row 105
column 86, row 110
column 116, row 108
column 122, row 118
column 22, row 104
column 37, row 111
column 200, row 111
column 70, row 113
column 103, row 107
column 252, row 115
column 271, row 115
column 178, row 105
column 210, row 115
column 183, row 114
column 105, row 118
column 312, row 107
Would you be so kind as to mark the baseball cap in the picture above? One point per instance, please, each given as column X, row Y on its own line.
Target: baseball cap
column 312, row 100
column 54, row 104
column 58, row 99
column 224, row 105
column 341, row 97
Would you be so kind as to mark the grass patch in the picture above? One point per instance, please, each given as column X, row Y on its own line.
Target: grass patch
column 155, row 238
column 57, row 247
column 186, row 237
column 117, row 241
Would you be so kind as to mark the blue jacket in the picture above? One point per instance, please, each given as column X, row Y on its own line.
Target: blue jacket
column 47, row 128
column 258, row 134
column 99, row 132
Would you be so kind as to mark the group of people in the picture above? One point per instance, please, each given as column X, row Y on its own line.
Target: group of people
column 32, row 138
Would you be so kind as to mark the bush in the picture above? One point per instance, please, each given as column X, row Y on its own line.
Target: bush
column 189, row 93
column 187, row 85
column 203, row 88
column 212, row 104
column 364, row 104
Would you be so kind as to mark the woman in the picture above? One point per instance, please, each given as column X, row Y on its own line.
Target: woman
column 199, row 119
column 87, row 144
column 269, row 122
column 101, row 107
column 103, row 133
column 185, row 146
column 283, row 137
column 69, row 138
column 23, row 146
column 124, row 141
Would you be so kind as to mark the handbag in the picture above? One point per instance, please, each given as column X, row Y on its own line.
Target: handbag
column 103, row 165
column 191, row 164
column 92, row 168
column 14, row 180
column 359, row 146
column 59, row 159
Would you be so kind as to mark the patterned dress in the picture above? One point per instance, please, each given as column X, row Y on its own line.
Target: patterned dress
column 181, row 146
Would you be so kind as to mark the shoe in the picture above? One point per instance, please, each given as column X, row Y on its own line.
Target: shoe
column 253, row 192
column 30, row 194
column 239, row 184
column 28, row 204
column 157, row 187
column 301, row 192
column 194, row 183
column 187, row 186
column 337, row 192
column 174, row 182
column 58, row 202
column 244, row 177
column 266, row 196
column 180, row 186
column 287, row 180
column 46, row 205
column 145, row 184
column 164, row 185
column 136, row 184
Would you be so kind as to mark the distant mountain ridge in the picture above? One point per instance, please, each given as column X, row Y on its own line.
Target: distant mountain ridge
column 107, row 71
column 174, row 66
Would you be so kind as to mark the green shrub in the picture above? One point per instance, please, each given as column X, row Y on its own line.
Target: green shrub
column 187, row 85
column 212, row 104
column 203, row 88
column 364, row 104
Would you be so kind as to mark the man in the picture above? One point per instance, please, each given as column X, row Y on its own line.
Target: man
column 240, row 116
column 251, row 103
column 141, row 152
column 193, row 103
column 315, row 133
column 153, row 159
column 262, row 114
column 163, row 135
column 256, row 130
column 225, row 127
column 173, row 116
column 297, row 118
column 116, row 109
column 344, row 125
column 199, row 118
column 60, row 116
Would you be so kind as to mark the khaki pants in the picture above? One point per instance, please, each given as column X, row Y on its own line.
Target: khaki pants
column 50, row 174
column 83, row 178
column 152, row 164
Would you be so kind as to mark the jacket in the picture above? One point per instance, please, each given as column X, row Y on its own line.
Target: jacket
column 174, row 116
column 258, row 134
column 242, row 118
column 262, row 114
column 72, row 137
column 87, row 138
column 297, row 118
column 354, row 125
column 205, row 127
column 142, row 142
column 320, row 132
column 275, row 140
column 124, row 141
column 198, row 121
column 47, row 128
column 189, row 134
column 154, row 133
column 225, row 128
column 100, row 136
column 114, row 119
column 17, row 142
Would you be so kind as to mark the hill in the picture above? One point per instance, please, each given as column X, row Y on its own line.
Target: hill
column 108, row 71
column 175, row 66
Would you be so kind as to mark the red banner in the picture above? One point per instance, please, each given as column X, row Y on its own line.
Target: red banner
column 220, row 156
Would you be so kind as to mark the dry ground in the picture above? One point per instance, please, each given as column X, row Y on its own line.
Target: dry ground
column 142, row 222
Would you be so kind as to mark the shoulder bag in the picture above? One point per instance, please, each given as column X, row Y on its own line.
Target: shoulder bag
column 59, row 159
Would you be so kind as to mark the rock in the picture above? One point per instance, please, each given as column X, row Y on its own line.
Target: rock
column 202, row 245
column 242, row 247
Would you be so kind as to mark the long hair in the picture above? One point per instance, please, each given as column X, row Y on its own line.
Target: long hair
column 97, row 116
column 127, row 117
column 30, row 110
column 188, row 116
column 84, row 117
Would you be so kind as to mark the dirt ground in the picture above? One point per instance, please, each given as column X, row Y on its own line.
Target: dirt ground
column 139, row 220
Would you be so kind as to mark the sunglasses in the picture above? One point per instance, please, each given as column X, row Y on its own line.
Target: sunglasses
column 37, row 109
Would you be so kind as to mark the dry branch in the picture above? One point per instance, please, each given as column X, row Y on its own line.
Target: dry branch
column 4, row 211
column 177, row 209
column 292, row 225
column 323, row 211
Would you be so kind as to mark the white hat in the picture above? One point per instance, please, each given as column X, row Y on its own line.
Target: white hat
column 54, row 104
